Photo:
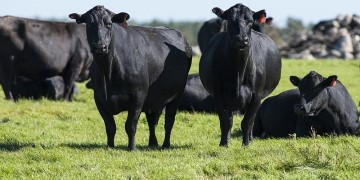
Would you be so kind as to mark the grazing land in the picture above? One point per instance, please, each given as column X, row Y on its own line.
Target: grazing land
column 60, row 140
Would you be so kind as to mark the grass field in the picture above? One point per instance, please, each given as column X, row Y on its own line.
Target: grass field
column 59, row 140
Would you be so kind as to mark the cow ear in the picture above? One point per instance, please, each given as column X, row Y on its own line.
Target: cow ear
column 121, row 18
column 77, row 17
column 218, row 12
column 331, row 81
column 295, row 80
column 260, row 16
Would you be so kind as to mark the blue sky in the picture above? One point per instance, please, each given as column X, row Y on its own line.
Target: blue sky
column 193, row 10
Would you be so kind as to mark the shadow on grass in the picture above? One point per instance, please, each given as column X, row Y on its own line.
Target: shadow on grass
column 123, row 147
column 14, row 145
column 237, row 133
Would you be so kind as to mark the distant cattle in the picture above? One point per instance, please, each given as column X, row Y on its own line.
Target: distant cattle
column 239, row 67
column 327, row 100
column 215, row 25
column 51, row 88
column 195, row 97
column 138, row 69
column 41, row 49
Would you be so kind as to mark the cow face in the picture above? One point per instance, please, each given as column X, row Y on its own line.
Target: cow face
column 99, row 21
column 240, row 19
column 313, row 92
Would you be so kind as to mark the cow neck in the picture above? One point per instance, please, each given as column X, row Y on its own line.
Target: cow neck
column 240, row 63
column 104, row 65
column 107, row 61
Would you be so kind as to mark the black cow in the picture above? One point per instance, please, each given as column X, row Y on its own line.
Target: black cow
column 276, row 116
column 215, row 25
column 51, row 88
column 138, row 69
column 327, row 100
column 239, row 68
column 195, row 97
column 40, row 49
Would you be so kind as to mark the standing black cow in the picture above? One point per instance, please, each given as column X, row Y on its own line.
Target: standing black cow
column 195, row 97
column 215, row 25
column 327, row 100
column 137, row 69
column 239, row 68
column 41, row 49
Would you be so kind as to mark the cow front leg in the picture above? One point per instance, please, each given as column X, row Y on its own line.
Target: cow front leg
column 226, row 123
column 152, row 118
column 132, row 120
column 248, row 121
column 110, row 125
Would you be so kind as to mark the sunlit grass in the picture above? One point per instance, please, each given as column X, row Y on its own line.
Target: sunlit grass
column 59, row 140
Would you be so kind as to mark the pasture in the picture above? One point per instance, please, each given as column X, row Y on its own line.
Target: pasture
column 60, row 140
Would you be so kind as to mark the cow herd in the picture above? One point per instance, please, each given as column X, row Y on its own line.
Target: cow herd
column 145, row 69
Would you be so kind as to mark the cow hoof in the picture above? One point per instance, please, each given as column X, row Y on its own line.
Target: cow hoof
column 245, row 143
column 110, row 145
column 224, row 145
column 132, row 149
column 166, row 146
column 153, row 146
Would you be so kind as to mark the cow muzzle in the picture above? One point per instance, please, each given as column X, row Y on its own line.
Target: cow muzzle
column 303, row 110
column 101, row 49
column 241, row 42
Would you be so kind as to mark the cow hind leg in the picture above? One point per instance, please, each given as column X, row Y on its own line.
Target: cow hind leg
column 248, row 121
column 153, row 119
column 170, row 114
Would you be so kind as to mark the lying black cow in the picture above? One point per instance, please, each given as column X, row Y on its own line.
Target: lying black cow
column 239, row 67
column 276, row 116
column 137, row 69
column 281, row 115
column 41, row 49
column 50, row 88
column 215, row 25
column 327, row 100
column 195, row 97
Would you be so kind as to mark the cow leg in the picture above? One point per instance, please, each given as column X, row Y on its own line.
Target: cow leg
column 132, row 120
column 68, row 88
column 153, row 119
column 110, row 125
column 8, row 76
column 226, row 123
column 170, row 114
column 248, row 121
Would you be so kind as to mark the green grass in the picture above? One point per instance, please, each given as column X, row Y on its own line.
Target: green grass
column 59, row 140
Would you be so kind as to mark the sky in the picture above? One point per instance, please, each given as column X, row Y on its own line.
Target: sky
column 309, row 11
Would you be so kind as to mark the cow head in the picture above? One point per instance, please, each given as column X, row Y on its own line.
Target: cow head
column 99, row 21
column 313, row 92
column 240, row 19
